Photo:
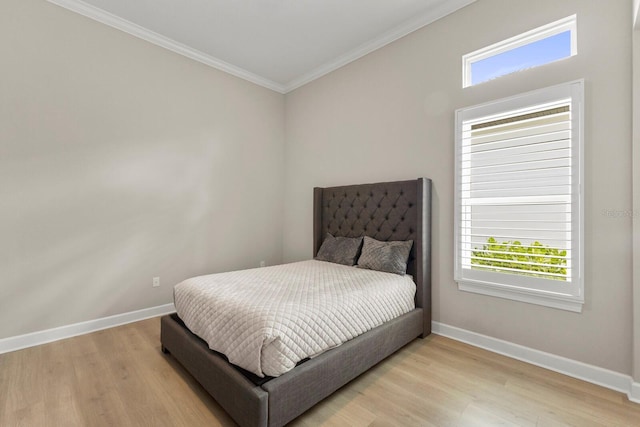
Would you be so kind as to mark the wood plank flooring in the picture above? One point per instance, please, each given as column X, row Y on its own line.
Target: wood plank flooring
column 119, row 377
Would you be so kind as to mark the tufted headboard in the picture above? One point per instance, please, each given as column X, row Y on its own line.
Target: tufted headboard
column 399, row 210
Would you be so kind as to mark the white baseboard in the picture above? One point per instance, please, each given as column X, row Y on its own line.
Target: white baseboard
column 42, row 337
column 634, row 393
column 593, row 374
column 573, row 368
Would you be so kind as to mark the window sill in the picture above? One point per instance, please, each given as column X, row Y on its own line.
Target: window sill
column 559, row 301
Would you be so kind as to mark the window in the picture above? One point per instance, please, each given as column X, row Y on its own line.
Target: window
column 518, row 206
column 536, row 47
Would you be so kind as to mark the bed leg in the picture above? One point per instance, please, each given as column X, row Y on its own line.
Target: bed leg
column 164, row 350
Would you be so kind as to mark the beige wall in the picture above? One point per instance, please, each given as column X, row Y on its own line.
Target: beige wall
column 389, row 116
column 120, row 161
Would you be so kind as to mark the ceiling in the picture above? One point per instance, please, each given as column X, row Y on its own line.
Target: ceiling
column 279, row 44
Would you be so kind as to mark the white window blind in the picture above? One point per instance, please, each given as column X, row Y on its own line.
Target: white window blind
column 518, row 207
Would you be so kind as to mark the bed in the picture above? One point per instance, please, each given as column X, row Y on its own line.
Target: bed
column 391, row 211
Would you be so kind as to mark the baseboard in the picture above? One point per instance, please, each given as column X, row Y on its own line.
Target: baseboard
column 42, row 337
column 634, row 393
column 593, row 374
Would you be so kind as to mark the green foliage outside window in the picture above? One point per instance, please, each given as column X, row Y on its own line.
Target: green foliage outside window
column 536, row 253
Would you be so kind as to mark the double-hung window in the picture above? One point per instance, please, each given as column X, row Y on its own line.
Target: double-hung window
column 518, row 212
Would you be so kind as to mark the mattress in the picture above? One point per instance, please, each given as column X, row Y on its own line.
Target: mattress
column 266, row 320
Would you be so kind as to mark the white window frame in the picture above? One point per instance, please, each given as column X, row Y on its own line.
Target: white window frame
column 540, row 33
column 520, row 287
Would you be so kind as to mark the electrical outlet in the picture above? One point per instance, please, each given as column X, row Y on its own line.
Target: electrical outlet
column 262, row 263
column 156, row 282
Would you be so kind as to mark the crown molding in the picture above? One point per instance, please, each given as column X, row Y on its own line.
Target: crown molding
column 102, row 16
column 445, row 8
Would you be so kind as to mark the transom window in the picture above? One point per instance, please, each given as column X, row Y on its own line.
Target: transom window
column 540, row 46
column 518, row 197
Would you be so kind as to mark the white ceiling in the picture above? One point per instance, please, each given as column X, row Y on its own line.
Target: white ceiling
column 279, row 44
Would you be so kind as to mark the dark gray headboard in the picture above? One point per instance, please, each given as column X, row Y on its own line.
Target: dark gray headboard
column 399, row 210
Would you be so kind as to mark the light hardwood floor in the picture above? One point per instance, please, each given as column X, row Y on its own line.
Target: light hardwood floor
column 119, row 377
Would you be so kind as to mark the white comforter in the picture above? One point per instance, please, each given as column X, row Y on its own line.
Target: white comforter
column 268, row 319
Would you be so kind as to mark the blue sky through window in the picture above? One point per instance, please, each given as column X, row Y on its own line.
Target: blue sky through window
column 531, row 55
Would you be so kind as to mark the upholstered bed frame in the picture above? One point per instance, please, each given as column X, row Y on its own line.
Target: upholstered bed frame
column 385, row 211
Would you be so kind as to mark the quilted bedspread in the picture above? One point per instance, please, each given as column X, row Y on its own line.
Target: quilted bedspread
column 266, row 320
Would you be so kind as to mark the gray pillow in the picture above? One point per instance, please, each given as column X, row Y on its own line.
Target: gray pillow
column 391, row 257
column 339, row 250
